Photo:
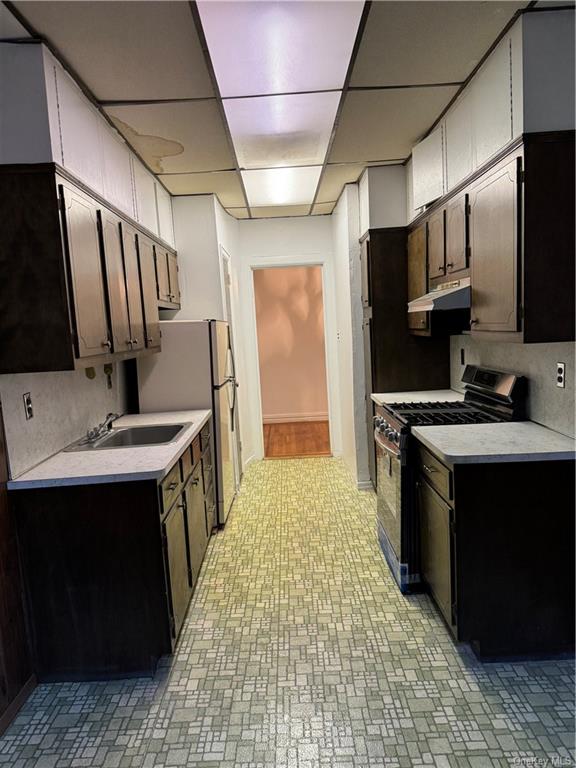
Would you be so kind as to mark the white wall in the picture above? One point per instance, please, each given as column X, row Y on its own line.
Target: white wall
column 65, row 405
column 346, row 248
column 281, row 242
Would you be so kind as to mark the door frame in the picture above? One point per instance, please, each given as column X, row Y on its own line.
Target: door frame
column 330, row 346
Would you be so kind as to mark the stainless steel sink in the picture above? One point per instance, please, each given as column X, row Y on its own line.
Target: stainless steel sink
column 132, row 437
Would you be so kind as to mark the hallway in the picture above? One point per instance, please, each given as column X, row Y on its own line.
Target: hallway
column 299, row 651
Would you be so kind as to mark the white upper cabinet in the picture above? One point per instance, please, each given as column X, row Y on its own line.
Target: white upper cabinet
column 165, row 224
column 145, row 197
column 459, row 141
column 116, row 170
column 491, row 92
column 80, row 132
column 428, row 168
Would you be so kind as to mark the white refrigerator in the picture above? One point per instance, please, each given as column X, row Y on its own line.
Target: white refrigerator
column 195, row 369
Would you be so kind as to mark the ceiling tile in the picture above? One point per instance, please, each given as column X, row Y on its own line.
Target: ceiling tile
column 279, row 47
column 126, row 50
column 334, row 178
column 411, row 43
column 385, row 125
column 323, row 209
column 279, row 211
column 275, row 131
column 238, row 213
column 226, row 185
column 281, row 186
column 176, row 137
column 10, row 27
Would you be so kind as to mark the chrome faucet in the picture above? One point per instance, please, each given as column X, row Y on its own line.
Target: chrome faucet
column 95, row 433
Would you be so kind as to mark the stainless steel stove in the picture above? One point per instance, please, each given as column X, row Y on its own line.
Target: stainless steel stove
column 490, row 397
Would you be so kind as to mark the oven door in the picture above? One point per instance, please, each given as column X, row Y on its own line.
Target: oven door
column 389, row 490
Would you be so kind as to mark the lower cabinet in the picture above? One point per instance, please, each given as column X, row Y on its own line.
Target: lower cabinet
column 497, row 564
column 109, row 570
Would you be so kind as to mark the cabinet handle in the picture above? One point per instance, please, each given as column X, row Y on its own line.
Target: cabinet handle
column 450, row 264
column 172, row 486
column 474, row 321
column 440, row 269
column 181, row 505
column 195, row 481
column 107, row 343
column 149, row 339
column 134, row 341
column 428, row 469
column 130, row 342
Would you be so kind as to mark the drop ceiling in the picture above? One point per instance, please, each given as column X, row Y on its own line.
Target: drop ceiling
column 271, row 106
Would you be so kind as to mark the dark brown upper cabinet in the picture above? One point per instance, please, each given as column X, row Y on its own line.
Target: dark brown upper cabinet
column 457, row 235
column 133, row 289
column 495, row 249
column 436, row 246
column 82, row 247
column 417, row 276
column 365, row 272
column 167, row 278
column 115, row 281
column 71, row 294
column 149, row 293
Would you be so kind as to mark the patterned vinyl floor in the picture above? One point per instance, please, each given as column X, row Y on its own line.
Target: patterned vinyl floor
column 299, row 652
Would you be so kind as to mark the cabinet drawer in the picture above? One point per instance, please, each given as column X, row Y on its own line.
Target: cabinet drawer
column 196, row 451
column 436, row 474
column 205, row 436
column 187, row 463
column 171, row 486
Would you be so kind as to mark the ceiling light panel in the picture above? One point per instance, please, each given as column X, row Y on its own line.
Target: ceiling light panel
column 274, row 131
column 279, row 47
column 281, row 186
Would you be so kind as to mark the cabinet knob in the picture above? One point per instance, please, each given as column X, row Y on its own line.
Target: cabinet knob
column 134, row 341
column 450, row 264
column 474, row 321
column 107, row 343
column 195, row 481
column 172, row 486
column 149, row 339
column 428, row 469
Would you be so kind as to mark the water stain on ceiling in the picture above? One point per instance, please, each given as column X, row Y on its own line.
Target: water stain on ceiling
column 152, row 149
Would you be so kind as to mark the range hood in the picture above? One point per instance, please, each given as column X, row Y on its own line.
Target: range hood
column 453, row 295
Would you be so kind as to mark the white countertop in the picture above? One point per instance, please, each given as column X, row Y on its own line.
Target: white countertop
column 116, row 465
column 425, row 396
column 493, row 443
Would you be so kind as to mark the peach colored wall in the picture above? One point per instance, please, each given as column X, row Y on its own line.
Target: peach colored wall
column 290, row 323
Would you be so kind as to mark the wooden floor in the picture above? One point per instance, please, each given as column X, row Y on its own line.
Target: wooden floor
column 296, row 438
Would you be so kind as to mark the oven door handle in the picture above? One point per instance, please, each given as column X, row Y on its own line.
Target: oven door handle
column 395, row 453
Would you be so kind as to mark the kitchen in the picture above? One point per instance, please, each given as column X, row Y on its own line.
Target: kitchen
column 167, row 600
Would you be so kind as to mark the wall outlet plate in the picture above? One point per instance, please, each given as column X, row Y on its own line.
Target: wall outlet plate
column 28, row 409
column 561, row 375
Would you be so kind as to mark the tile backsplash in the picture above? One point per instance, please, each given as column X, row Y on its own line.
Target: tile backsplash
column 547, row 404
column 65, row 405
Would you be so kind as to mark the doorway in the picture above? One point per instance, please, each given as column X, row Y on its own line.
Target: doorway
column 289, row 307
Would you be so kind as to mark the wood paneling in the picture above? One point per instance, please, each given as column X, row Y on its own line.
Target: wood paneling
column 296, row 438
column 417, row 275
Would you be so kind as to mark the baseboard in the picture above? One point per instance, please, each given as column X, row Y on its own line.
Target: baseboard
column 16, row 705
column 283, row 418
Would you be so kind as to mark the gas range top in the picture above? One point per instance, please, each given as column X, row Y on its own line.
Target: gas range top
column 431, row 414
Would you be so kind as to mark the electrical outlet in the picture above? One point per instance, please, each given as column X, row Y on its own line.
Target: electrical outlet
column 28, row 409
column 561, row 375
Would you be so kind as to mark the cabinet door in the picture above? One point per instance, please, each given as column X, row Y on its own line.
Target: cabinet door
column 436, row 251
column 173, row 278
column 115, row 281
column 417, row 276
column 365, row 272
column 162, row 277
column 197, row 533
column 133, row 288
column 85, row 265
column 149, row 291
column 436, row 547
column 494, row 249
column 457, row 234
column 176, row 548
